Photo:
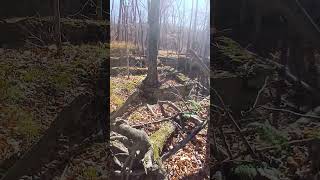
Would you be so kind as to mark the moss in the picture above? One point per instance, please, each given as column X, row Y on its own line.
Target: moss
column 10, row 93
column 90, row 173
column 182, row 78
column 33, row 74
column 118, row 48
column 62, row 80
column 4, row 84
column 23, row 120
column 116, row 100
column 159, row 138
column 135, row 116
column 233, row 50
column 15, row 94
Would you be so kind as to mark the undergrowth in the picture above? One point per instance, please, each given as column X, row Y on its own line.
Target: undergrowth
column 23, row 121
column 270, row 134
column 90, row 173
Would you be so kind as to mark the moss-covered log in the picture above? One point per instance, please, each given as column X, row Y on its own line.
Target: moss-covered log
column 160, row 137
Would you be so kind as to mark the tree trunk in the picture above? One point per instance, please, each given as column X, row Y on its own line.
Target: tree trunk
column 153, row 37
column 99, row 9
column 57, row 25
column 119, row 22
column 195, row 26
column 189, row 33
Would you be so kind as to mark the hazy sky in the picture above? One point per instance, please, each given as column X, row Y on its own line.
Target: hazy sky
column 202, row 5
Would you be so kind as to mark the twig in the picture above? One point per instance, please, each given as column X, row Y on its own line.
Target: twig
column 63, row 176
column 150, row 109
column 225, row 142
column 171, row 105
column 253, row 154
column 291, row 112
column 258, row 97
column 260, row 91
column 184, row 141
column 163, row 111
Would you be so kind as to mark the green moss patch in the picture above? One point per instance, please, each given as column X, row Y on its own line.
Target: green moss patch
column 159, row 138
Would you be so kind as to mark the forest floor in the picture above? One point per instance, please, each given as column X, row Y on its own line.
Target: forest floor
column 35, row 85
column 188, row 163
column 191, row 161
column 266, row 140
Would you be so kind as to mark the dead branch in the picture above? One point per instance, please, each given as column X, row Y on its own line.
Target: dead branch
column 238, row 129
column 204, row 68
column 225, row 142
column 150, row 109
column 290, row 112
column 63, row 176
column 171, row 104
column 258, row 97
column 184, row 141
column 163, row 111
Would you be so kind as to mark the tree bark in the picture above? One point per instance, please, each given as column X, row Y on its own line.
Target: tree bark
column 195, row 26
column 119, row 22
column 189, row 33
column 99, row 9
column 57, row 25
column 153, row 37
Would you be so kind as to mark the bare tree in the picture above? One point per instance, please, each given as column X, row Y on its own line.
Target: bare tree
column 99, row 9
column 141, row 27
column 194, row 26
column 189, row 34
column 57, row 26
column 119, row 22
column 153, row 37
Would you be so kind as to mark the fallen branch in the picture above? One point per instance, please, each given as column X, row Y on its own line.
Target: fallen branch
column 225, row 142
column 290, row 112
column 184, row 141
column 258, row 97
column 63, row 176
column 238, row 129
column 169, row 103
column 204, row 67
column 150, row 109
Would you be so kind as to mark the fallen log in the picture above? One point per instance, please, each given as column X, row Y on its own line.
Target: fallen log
column 160, row 137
